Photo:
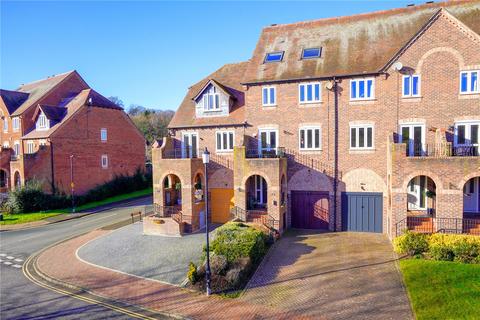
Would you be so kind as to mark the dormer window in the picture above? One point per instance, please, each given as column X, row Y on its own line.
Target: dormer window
column 274, row 57
column 211, row 99
column 311, row 53
column 43, row 122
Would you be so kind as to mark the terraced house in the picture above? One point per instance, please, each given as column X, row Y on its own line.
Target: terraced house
column 60, row 131
column 365, row 123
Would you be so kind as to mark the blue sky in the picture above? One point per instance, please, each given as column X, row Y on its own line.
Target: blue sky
column 147, row 53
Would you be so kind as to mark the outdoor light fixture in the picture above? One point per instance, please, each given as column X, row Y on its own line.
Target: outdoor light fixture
column 206, row 160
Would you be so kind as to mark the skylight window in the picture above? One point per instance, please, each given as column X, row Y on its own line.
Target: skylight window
column 311, row 53
column 274, row 56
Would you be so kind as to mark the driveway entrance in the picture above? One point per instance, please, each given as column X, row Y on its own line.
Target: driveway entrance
column 339, row 275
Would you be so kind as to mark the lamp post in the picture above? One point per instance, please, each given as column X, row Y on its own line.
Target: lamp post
column 206, row 160
column 72, row 185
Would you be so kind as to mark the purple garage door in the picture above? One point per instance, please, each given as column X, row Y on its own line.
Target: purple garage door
column 310, row 209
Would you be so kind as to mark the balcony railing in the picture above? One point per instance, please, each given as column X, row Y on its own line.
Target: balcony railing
column 168, row 212
column 264, row 153
column 438, row 225
column 180, row 153
column 440, row 150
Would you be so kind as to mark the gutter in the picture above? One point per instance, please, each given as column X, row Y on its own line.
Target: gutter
column 52, row 168
column 335, row 154
column 243, row 124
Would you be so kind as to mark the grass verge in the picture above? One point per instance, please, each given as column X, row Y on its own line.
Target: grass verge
column 36, row 216
column 441, row 289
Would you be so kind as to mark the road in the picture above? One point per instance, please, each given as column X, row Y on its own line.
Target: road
column 20, row 298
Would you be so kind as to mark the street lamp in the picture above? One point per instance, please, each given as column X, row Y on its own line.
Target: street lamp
column 206, row 160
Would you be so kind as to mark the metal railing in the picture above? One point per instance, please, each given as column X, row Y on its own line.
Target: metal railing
column 440, row 150
column 180, row 153
column 438, row 225
column 168, row 212
column 238, row 213
column 263, row 153
column 308, row 161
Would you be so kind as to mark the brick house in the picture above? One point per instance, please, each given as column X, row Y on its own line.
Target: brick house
column 58, row 130
column 364, row 123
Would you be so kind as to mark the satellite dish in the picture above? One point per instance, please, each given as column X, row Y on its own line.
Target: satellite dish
column 329, row 85
column 397, row 66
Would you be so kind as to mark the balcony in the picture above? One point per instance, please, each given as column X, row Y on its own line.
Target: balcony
column 439, row 150
column 180, row 153
column 265, row 154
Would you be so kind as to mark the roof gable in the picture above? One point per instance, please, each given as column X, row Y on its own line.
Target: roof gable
column 216, row 84
column 13, row 99
column 354, row 45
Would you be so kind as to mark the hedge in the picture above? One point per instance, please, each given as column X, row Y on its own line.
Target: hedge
column 438, row 246
column 32, row 198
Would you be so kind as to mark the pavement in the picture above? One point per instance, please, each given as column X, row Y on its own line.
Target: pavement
column 22, row 299
column 156, row 257
column 336, row 275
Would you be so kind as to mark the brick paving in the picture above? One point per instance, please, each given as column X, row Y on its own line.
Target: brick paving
column 60, row 262
column 337, row 275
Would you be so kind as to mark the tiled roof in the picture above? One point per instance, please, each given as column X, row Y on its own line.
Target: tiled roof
column 52, row 112
column 13, row 99
column 85, row 97
column 356, row 44
column 38, row 89
column 229, row 77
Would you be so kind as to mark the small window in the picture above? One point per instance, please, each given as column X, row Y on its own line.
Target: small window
column 103, row 134
column 42, row 121
column 311, row 53
column 16, row 124
column 5, row 125
column 211, row 99
column 362, row 89
column 274, row 57
column 269, row 96
column 469, row 82
column 225, row 141
column 104, row 161
column 310, row 138
column 42, row 142
column 309, row 92
column 361, row 137
column 30, row 147
column 6, row 144
column 411, row 86
column 16, row 148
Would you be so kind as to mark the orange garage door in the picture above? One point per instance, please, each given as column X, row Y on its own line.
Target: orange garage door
column 220, row 204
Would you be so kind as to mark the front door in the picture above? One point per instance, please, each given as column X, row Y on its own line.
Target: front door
column 413, row 135
column 260, row 190
column 189, row 145
column 471, row 195
column 268, row 140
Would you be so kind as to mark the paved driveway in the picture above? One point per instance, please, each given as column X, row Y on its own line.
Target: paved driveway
column 156, row 257
column 334, row 275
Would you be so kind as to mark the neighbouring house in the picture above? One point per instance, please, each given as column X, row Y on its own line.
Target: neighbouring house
column 362, row 123
column 58, row 130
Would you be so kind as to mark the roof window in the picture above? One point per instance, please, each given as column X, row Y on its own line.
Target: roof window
column 274, row 56
column 311, row 53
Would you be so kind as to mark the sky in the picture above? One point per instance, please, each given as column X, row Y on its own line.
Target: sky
column 145, row 53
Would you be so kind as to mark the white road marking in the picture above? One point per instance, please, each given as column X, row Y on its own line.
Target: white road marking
column 2, row 254
column 7, row 263
column 18, row 260
column 9, row 257
column 17, row 266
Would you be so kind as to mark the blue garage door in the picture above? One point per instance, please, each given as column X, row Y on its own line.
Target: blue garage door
column 362, row 211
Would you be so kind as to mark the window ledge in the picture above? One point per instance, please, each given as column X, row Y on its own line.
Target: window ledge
column 308, row 104
column 462, row 96
column 212, row 111
column 268, row 106
column 412, row 99
column 362, row 101
column 361, row 151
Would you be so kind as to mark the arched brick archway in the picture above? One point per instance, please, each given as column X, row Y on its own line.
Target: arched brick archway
column 17, row 180
column 256, row 189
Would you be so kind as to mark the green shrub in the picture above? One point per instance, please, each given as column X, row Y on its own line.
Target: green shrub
column 441, row 252
column 236, row 240
column 466, row 252
column 411, row 243
column 218, row 264
column 192, row 273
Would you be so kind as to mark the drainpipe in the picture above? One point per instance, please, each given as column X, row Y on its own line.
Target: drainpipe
column 335, row 154
column 52, row 167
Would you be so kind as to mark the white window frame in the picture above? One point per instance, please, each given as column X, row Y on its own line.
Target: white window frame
column 312, row 128
column 411, row 76
column 268, row 147
column 222, row 134
column 104, row 161
column 103, row 135
column 15, row 124
column 468, row 124
column 42, row 122
column 212, row 92
column 268, row 90
column 417, row 193
column 6, row 144
column 5, row 124
column 469, row 82
column 42, row 142
column 184, row 146
column 357, row 81
column 305, row 86
column 16, row 148
column 411, row 127
column 357, row 128
column 30, row 147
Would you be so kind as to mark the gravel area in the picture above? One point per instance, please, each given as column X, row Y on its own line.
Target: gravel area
column 156, row 257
